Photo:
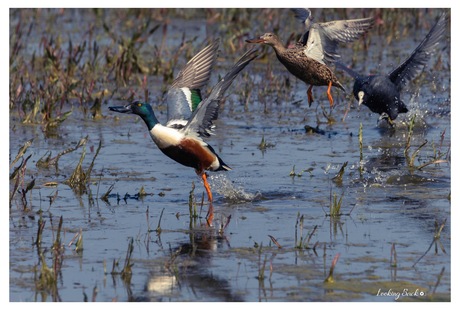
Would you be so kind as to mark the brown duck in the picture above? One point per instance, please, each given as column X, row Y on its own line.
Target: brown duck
column 302, row 66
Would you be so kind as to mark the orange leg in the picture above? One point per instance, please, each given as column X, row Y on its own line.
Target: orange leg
column 310, row 95
column 206, row 186
column 210, row 215
column 329, row 96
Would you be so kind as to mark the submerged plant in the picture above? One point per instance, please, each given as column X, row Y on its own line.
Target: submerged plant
column 410, row 157
column 263, row 145
column 45, row 279
column 192, row 203
column 273, row 239
column 158, row 229
column 436, row 240
column 127, row 272
column 393, row 259
column 299, row 242
column 335, row 205
column 21, row 151
column 293, row 173
column 18, row 176
column 339, row 176
column 48, row 161
column 261, row 273
column 330, row 277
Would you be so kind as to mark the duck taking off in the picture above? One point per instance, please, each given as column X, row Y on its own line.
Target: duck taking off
column 181, row 139
column 307, row 60
column 302, row 65
column 381, row 93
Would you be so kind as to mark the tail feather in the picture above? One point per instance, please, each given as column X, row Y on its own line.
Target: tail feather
column 222, row 166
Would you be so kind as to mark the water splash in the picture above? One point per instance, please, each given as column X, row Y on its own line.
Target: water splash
column 231, row 191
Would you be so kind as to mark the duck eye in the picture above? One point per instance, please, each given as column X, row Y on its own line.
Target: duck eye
column 139, row 104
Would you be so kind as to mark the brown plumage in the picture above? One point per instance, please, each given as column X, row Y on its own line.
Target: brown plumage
column 301, row 66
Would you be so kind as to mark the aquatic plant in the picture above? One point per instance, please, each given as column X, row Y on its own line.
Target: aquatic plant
column 335, row 205
column 273, row 239
column 78, row 240
column 158, row 229
column 263, row 145
column 298, row 240
column 436, row 240
column 48, row 161
column 192, row 203
column 127, row 272
column 410, row 157
column 393, row 259
column 79, row 179
column 338, row 178
column 261, row 265
column 293, row 173
column 127, row 59
column 330, row 277
column 18, row 176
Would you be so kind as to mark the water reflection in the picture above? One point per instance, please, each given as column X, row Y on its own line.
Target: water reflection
column 187, row 272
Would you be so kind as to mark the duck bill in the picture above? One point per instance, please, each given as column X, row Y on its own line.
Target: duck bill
column 122, row 109
column 258, row 40
column 360, row 97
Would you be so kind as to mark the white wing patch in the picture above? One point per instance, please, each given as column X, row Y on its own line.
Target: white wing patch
column 188, row 96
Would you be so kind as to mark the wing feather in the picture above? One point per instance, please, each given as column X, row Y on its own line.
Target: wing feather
column 415, row 63
column 184, row 93
column 201, row 121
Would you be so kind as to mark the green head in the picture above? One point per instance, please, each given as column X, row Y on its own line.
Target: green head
column 144, row 110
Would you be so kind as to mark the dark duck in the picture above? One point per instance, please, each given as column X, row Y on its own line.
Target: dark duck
column 381, row 93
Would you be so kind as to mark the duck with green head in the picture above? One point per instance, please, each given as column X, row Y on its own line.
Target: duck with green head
column 181, row 139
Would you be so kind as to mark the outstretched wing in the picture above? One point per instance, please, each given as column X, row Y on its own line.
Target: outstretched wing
column 185, row 92
column 415, row 63
column 304, row 16
column 207, row 111
column 323, row 38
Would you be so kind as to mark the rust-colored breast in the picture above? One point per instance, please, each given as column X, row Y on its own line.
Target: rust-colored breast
column 191, row 153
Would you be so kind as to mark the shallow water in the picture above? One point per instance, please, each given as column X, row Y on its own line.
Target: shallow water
column 384, row 204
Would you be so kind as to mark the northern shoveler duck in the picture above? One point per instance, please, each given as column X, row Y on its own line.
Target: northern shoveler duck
column 318, row 45
column 381, row 93
column 302, row 65
column 181, row 138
